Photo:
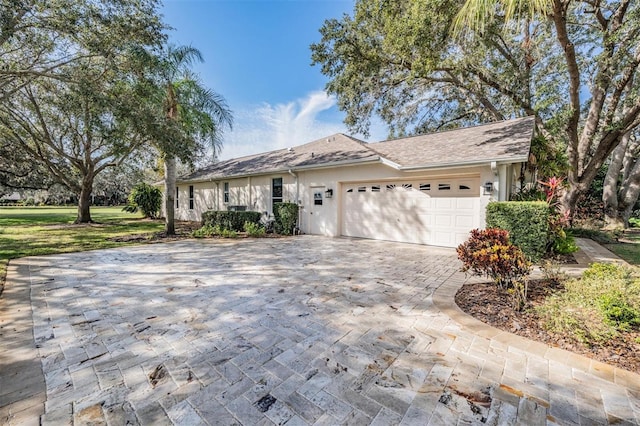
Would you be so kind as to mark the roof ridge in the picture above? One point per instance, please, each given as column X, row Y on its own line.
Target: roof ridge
column 453, row 130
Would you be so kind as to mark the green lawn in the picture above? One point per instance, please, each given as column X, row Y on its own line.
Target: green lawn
column 629, row 246
column 30, row 231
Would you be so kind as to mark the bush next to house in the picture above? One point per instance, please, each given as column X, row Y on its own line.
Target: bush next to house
column 286, row 217
column 145, row 198
column 526, row 221
column 213, row 231
column 229, row 220
column 254, row 230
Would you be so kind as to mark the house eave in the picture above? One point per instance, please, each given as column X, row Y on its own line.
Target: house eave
column 464, row 164
column 345, row 163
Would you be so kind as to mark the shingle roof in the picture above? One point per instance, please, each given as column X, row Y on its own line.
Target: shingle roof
column 502, row 141
column 332, row 149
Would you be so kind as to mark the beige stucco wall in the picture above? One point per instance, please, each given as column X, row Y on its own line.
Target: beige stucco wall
column 328, row 220
column 255, row 191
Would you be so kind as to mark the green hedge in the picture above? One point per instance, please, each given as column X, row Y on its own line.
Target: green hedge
column 286, row 217
column 230, row 220
column 526, row 221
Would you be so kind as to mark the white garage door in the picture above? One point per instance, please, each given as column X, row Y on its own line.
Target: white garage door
column 438, row 212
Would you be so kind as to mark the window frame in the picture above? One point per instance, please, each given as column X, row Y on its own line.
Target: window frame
column 274, row 199
column 225, row 192
column 191, row 197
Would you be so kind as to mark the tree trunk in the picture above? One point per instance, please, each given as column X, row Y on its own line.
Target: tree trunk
column 628, row 195
column 612, row 217
column 84, row 201
column 569, row 199
column 169, row 194
column 622, row 184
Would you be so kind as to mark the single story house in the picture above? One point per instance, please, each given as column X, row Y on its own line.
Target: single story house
column 427, row 189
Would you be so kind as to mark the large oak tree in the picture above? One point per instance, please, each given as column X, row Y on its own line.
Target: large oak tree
column 570, row 63
column 72, row 94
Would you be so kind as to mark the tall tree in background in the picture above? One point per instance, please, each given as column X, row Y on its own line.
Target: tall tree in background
column 398, row 60
column 77, row 130
column 201, row 114
column 621, row 186
column 65, row 63
column 39, row 37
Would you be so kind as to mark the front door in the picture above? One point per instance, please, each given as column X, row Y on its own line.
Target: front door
column 317, row 216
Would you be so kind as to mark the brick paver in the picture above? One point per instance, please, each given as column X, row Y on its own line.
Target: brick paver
column 296, row 331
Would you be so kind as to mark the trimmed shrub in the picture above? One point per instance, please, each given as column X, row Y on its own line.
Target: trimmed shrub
column 229, row 220
column 286, row 216
column 254, row 229
column 526, row 221
column 145, row 198
column 595, row 308
column 212, row 231
column 489, row 253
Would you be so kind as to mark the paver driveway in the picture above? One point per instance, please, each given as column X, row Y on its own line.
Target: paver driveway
column 304, row 330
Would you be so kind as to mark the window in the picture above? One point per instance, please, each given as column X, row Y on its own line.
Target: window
column 362, row 189
column 190, row 197
column 464, row 187
column 391, row 187
column 276, row 190
column 407, row 186
column 317, row 198
column 375, row 188
column 444, row 187
column 350, row 190
column 226, row 192
column 177, row 195
column 425, row 187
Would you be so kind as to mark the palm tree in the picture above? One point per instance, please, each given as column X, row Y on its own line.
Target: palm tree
column 201, row 114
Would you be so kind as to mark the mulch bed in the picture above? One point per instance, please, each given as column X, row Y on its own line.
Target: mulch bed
column 491, row 305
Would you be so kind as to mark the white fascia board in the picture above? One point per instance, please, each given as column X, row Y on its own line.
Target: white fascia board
column 465, row 164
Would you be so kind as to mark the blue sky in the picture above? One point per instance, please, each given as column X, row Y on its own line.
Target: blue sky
column 257, row 56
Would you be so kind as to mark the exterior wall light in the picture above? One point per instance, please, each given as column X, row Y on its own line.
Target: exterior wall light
column 328, row 193
column 488, row 188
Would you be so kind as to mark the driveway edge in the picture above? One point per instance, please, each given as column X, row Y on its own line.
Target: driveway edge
column 23, row 393
column 444, row 300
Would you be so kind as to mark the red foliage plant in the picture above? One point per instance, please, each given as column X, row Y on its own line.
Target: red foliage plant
column 489, row 253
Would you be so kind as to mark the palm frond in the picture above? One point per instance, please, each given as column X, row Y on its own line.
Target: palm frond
column 476, row 15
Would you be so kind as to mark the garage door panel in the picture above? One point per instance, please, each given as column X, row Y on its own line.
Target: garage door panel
column 412, row 211
column 464, row 221
column 465, row 203
column 444, row 203
column 443, row 220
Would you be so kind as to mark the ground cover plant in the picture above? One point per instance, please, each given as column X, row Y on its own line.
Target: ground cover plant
column 31, row 231
column 597, row 316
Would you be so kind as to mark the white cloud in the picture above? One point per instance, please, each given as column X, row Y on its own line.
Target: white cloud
column 270, row 127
